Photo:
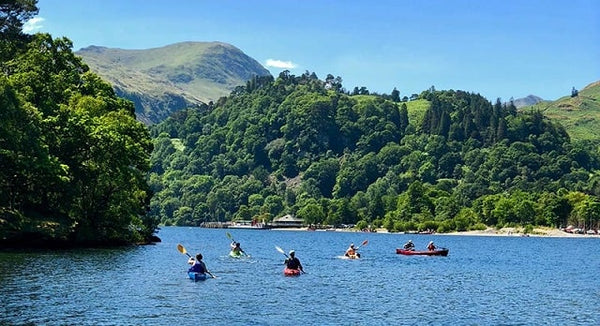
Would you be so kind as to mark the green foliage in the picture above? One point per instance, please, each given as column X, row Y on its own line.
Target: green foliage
column 449, row 160
column 73, row 157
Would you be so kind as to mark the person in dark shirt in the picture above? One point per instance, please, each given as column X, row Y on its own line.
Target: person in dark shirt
column 293, row 262
column 198, row 265
column 409, row 245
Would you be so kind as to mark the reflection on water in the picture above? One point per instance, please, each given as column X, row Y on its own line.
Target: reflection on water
column 484, row 280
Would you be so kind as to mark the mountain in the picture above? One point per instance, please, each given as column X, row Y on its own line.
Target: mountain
column 579, row 115
column 162, row 80
column 527, row 101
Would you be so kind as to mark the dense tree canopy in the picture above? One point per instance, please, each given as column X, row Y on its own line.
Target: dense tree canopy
column 334, row 158
column 73, row 159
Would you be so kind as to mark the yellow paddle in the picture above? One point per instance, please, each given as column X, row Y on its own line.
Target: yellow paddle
column 182, row 250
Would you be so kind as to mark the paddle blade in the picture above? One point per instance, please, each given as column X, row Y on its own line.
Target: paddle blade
column 364, row 243
column 182, row 249
column 280, row 250
column 229, row 236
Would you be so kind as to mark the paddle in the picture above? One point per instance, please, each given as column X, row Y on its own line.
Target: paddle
column 364, row 243
column 232, row 239
column 282, row 251
column 182, row 250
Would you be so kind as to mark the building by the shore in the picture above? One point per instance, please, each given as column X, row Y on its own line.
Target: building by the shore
column 287, row 221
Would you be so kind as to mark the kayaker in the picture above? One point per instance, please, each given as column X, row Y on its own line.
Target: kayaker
column 198, row 265
column 431, row 246
column 237, row 249
column 292, row 262
column 409, row 245
column 351, row 251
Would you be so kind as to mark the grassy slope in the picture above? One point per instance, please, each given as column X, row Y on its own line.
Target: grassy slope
column 198, row 72
column 416, row 109
column 579, row 115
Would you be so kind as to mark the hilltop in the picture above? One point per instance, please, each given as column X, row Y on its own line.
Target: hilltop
column 162, row 80
column 579, row 115
column 527, row 101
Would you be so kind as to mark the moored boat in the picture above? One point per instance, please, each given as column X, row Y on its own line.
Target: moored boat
column 437, row 252
column 291, row 272
column 197, row 276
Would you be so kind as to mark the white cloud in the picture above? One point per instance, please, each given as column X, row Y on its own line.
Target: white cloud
column 33, row 24
column 280, row 64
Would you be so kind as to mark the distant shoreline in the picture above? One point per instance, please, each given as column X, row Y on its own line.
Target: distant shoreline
column 519, row 232
column 489, row 232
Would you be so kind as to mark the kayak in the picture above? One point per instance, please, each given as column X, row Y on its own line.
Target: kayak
column 197, row 276
column 351, row 257
column 437, row 252
column 234, row 254
column 291, row 272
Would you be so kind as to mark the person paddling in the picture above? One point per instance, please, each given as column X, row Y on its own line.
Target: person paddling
column 431, row 246
column 236, row 249
column 352, row 251
column 292, row 262
column 198, row 265
column 409, row 245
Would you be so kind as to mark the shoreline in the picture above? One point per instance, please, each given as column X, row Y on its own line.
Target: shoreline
column 519, row 232
column 489, row 232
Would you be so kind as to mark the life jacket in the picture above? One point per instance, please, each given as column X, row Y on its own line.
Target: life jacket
column 197, row 268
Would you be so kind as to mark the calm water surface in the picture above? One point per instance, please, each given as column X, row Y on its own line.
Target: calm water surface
column 483, row 281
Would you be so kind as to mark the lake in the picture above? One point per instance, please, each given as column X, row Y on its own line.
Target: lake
column 483, row 281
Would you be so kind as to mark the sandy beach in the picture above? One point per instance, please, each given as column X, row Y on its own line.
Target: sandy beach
column 519, row 232
column 492, row 232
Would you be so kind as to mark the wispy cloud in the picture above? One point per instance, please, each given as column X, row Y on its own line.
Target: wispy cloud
column 280, row 64
column 33, row 24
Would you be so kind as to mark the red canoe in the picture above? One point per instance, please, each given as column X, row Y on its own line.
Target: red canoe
column 437, row 252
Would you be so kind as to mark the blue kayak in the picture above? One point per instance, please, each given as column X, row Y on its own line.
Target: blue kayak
column 197, row 276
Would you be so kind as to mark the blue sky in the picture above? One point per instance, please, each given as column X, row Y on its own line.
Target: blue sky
column 500, row 49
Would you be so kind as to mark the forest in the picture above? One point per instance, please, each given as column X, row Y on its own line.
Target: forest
column 77, row 168
column 304, row 146
column 73, row 158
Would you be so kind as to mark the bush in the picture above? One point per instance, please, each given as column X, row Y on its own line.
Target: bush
column 429, row 225
column 479, row 227
column 361, row 225
column 446, row 226
column 399, row 226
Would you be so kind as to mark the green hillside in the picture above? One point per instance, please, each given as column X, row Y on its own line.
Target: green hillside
column 579, row 115
column 162, row 80
column 448, row 160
